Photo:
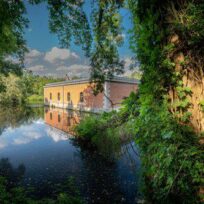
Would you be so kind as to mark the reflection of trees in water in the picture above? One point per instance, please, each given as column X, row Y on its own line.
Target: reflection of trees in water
column 100, row 180
column 13, row 175
column 94, row 182
column 12, row 193
column 16, row 116
column 130, row 151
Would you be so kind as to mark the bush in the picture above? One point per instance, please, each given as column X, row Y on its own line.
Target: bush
column 104, row 132
column 171, row 155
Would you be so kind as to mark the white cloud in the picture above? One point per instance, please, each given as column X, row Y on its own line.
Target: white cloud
column 79, row 70
column 19, row 136
column 56, row 62
column 33, row 53
column 27, row 138
column 36, row 68
column 56, row 135
column 62, row 68
column 59, row 54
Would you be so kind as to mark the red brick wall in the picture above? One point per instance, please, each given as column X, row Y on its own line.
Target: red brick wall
column 92, row 101
column 120, row 90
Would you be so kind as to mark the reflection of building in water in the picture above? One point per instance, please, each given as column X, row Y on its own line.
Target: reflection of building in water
column 78, row 94
column 62, row 119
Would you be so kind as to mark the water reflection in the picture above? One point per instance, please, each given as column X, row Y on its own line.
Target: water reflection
column 17, row 116
column 62, row 119
column 13, row 175
column 50, row 156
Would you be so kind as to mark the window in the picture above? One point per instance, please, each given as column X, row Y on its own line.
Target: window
column 81, row 97
column 58, row 96
column 59, row 118
column 50, row 116
column 68, row 96
column 50, row 96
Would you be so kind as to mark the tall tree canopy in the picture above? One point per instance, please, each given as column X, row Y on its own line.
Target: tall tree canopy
column 12, row 25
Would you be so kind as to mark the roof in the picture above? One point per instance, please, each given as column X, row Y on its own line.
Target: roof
column 86, row 80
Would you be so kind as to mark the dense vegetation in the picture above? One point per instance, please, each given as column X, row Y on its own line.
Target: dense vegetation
column 170, row 49
column 107, row 132
column 167, row 116
column 22, row 89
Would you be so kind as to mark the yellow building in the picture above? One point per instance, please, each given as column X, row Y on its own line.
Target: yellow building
column 78, row 94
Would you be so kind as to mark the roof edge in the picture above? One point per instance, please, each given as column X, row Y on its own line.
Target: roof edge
column 85, row 80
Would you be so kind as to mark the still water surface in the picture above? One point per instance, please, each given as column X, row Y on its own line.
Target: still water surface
column 42, row 140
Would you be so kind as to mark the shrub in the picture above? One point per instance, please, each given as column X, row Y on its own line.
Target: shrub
column 104, row 132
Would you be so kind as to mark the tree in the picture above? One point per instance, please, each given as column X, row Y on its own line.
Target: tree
column 12, row 43
column 13, row 92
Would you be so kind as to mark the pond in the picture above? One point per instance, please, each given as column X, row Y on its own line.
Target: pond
column 41, row 141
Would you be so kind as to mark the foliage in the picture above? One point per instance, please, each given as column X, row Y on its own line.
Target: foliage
column 108, row 131
column 35, row 99
column 130, row 106
column 171, row 154
column 202, row 105
column 12, row 25
column 34, row 87
column 97, row 132
column 27, row 88
column 13, row 91
column 99, row 34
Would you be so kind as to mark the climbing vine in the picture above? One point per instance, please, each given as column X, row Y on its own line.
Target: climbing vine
column 167, row 39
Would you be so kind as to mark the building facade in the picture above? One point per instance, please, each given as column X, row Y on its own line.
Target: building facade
column 78, row 94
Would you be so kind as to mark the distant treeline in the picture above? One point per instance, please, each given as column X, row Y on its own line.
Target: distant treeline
column 22, row 89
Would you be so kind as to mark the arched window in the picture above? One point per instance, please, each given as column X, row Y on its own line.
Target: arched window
column 50, row 96
column 58, row 96
column 59, row 118
column 81, row 97
column 50, row 116
column 68, row 96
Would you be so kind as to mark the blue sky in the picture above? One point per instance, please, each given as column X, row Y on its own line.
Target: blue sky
column 46, row 57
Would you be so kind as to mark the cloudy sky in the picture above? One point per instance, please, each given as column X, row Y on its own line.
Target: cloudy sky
column 45, row 56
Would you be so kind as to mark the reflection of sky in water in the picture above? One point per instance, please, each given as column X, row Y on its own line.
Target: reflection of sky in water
column 50, row 157
column 29, row 133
